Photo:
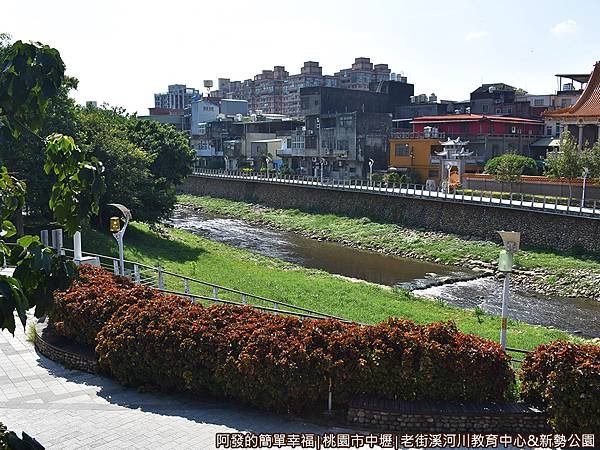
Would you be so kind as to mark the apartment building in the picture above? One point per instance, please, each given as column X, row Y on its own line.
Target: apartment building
column 178, row 96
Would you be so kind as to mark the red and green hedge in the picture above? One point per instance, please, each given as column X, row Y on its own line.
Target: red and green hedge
column 564, row 379
column 278, row 363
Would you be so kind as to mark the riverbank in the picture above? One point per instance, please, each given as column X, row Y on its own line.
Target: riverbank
column 188, row 254
column 544, row 272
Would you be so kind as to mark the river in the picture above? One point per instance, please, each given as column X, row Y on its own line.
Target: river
column 423, row 278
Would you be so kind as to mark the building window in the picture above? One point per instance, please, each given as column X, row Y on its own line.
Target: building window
column 508, row 110
column 402, row 150
column 433, row 174
column 498, row 111
column 565, row 102
column 485, row 108
column 538, row 102
column 548, row 131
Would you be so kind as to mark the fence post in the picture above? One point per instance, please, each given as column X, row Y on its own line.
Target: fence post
column 136, row 274
column 116, row 266
column 186, row 286
column 275, row 308
column 594, row 211
column 244, row 299
column 44, row 237
column 544, row 206
column 161, row 282
column 215, row 293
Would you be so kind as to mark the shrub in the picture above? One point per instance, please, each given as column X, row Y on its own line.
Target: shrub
column 80, row 312
column 3, row 440
column 564, row 378
column 278, row 363
column 523, row 165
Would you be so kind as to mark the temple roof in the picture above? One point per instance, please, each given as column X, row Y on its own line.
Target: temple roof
column 588, row 104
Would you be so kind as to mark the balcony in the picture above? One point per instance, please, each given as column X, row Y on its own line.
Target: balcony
column 208, row 152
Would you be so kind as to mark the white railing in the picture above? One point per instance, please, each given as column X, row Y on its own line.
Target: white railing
column 198, row 290
column 537, row 203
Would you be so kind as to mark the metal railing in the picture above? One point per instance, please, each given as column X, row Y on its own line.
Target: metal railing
column 537, row 203
column 199, row 290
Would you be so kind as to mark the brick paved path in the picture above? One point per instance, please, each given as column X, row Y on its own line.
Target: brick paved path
column 69, row 409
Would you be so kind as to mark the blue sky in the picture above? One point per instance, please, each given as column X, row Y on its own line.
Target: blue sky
column 124, row 51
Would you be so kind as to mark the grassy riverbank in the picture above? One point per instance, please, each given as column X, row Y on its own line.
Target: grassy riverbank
column 558, row 272
column 185, row 253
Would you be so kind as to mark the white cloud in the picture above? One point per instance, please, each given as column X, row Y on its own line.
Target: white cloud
column 473, row 35
column 565, row 28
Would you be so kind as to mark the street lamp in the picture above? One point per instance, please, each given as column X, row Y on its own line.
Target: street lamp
column 226, row 158
column 268, row 161
column 586, row 172
column 511, row 240
column 118, row 231
column 371, row 162
column 322, row 162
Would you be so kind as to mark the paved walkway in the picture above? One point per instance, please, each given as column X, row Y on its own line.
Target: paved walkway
column 69, row 409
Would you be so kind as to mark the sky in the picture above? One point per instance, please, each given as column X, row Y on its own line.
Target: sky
column 124, row 51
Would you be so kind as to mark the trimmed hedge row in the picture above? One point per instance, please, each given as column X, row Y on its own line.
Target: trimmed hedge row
column 564, row 379
column 277, row 363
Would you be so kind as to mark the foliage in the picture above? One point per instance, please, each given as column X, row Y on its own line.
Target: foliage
column 3, row 439
column 78, row 184
column 564, row 378
column 566, row 163
column 32, row 74
column 144, row 160
column 509, row 167
column 81, row 311
column 276, row 362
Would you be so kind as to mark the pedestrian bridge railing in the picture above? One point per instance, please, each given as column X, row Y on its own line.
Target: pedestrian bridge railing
column 503, row 199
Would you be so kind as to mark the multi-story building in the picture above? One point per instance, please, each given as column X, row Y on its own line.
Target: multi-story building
column 277, row 92
column 178, row 96
column 499, row 99
column 361, row 74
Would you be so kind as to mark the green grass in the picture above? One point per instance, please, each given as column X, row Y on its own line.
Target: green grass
column 388, row 237
column 185, row 253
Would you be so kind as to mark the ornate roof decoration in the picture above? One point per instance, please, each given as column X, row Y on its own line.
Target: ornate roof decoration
column 588, row 105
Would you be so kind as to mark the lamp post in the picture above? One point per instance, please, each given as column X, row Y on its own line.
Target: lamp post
column 371, row 162
column 118, row 231
column 226, row 158
column 586, row 172
column 268, row 161
column 511, row 240
column 322, row 162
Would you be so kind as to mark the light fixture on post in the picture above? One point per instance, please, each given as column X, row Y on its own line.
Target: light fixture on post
column 371, row 162
column 118, row 231
column 585, row 174
column 267, row 162
column 511, row 240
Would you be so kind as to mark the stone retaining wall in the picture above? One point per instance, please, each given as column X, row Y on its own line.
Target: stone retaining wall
column 418, row 418
column 67, row 358
column 472, row 220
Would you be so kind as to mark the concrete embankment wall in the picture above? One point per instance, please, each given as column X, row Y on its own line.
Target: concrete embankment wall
column 478, row 221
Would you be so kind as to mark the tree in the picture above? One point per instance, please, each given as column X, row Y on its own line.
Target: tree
column 512, row 163
column 32, row 74
column 145, row 160
column 567, row 163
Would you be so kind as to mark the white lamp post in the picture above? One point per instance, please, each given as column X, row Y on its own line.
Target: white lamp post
column 586, row 172
column 511, row 240
column 371, row 162
column 268, row 161
column 322, row 162
column 226, row 162
column 118, row 231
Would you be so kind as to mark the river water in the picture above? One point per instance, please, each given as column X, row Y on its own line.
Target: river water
column 574, row 315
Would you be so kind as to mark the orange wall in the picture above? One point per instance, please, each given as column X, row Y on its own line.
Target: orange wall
column 420, row 162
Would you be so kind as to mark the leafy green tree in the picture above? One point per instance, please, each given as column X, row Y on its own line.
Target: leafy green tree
column 512, row 163
column 567, row 163
column 145, row 160
column 32, row 74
